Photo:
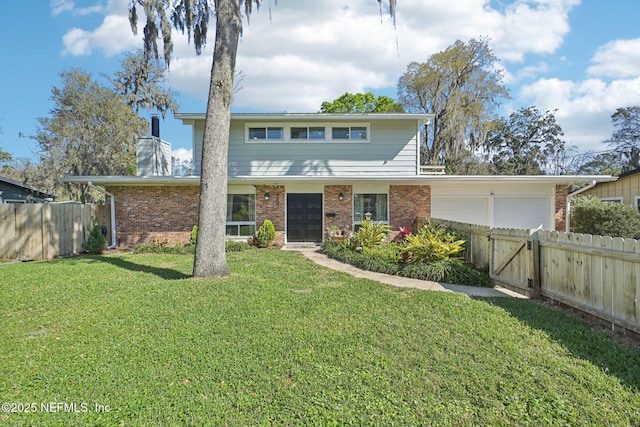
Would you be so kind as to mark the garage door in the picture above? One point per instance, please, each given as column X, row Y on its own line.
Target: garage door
column 472, row 210
column 522, row 212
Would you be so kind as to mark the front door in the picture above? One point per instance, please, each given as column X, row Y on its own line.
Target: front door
column 304, row 217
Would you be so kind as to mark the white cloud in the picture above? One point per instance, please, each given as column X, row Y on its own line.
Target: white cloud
column 617, row 59
column 111, row 37
column 182, row 154
column 61, row 6
column 585, row 107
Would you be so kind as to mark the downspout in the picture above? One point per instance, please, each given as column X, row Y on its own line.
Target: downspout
column 571, row 196
column 113, row 213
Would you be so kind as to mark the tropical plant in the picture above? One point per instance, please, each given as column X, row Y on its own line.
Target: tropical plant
column 266, row 234
column 371, row 234
column 434, row 242
column 193, row 15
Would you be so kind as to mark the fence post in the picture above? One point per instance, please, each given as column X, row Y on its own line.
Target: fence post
column 534, row 265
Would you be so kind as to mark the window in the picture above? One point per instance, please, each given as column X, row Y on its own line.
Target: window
column 312, row 132
column 638, row 203
column 612, row 199
column 369, row 205
column 241, row 214
column 353, row 133
column 265, row 133
column 307, row 132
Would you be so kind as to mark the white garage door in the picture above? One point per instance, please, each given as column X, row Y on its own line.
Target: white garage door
column 522, row 212
column 472, row 210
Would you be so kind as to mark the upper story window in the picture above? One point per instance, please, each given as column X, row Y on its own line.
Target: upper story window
column 349, row 132
column 257, row 133
column 294, row 132
column 307, row 132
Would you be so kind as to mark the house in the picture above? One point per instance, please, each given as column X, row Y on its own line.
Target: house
column 307, row 172
column 626, row 189
column 12, row 191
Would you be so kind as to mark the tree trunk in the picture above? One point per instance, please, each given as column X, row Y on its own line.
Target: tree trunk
column 210, row 258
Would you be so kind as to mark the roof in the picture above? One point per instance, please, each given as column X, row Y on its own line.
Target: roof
column 629, row 173
column 25, row 186
column 421, row 117
column 408, row 179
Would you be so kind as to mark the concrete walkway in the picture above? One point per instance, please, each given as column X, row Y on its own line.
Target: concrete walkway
column 318, row 258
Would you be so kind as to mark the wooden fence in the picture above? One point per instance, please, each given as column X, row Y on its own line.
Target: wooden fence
column 597, row 275
column 44, row 231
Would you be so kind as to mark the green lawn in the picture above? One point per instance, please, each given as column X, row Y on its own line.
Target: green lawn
column 283, row 341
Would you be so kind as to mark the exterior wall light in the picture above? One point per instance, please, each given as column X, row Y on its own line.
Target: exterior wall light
column 341, row 196
column 266, row 196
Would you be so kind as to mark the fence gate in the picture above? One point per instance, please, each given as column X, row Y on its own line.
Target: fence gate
column 514, row 260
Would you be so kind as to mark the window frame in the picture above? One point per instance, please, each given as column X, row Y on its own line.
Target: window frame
column 358, row 222
column 240, row 224
column 637, row 202
column 287, row 128
column 616, row 199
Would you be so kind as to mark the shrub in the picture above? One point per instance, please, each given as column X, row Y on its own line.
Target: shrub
column 590, row 215
column 446, row 270
column 371, row 234
column 434, row 242
column 266, row 234
column 96, row 242
column 194, row 236
column 179, row 249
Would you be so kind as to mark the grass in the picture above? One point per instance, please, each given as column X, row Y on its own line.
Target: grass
column 283, row 341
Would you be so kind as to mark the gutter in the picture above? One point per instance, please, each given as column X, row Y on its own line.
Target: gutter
column 570, row 198
column 113, row 212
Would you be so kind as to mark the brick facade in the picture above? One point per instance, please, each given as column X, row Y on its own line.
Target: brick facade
column 272, row 209
column 408, row 202
column 562, row 191
column 343, row 209
column 145, row 214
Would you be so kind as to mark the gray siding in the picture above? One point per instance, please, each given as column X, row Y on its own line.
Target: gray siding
column 392, row 151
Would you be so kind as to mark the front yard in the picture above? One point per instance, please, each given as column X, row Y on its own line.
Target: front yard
column 133, row 340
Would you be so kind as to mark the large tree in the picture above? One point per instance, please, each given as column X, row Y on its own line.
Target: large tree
column 625, row 139
column 90, row 131
column 361, row 103
column 140, row 83
column 461, row 86
column 193, row 16
column 529, row 142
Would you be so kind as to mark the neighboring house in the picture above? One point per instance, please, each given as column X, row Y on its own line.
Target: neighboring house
column 626, row 189
column 307, row 172
column 12, row 191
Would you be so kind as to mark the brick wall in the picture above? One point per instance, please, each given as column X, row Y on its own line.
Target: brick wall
column 406, row 203
column 343, row 209
column 272, row 209
column 161, row 214
column 562, row 191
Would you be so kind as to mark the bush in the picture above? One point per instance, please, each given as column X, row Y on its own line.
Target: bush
column 446, row 270
column 96, row 242
column 371, row 234
column 266, row 234
column 433, row 243
column 179, row 249
column 194, row 236
column 590, row 215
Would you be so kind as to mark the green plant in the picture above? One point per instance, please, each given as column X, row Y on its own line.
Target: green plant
column 266, row 234
column 96, row 242
column 371, row 234
column 590, row 215
column 434, row 242
column 194, row 236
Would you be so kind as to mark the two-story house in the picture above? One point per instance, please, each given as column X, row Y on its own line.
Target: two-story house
column 307, row 172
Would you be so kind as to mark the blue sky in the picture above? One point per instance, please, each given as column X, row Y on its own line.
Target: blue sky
column 579, row 57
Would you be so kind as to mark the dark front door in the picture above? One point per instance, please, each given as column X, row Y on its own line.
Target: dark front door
column 304, row 217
